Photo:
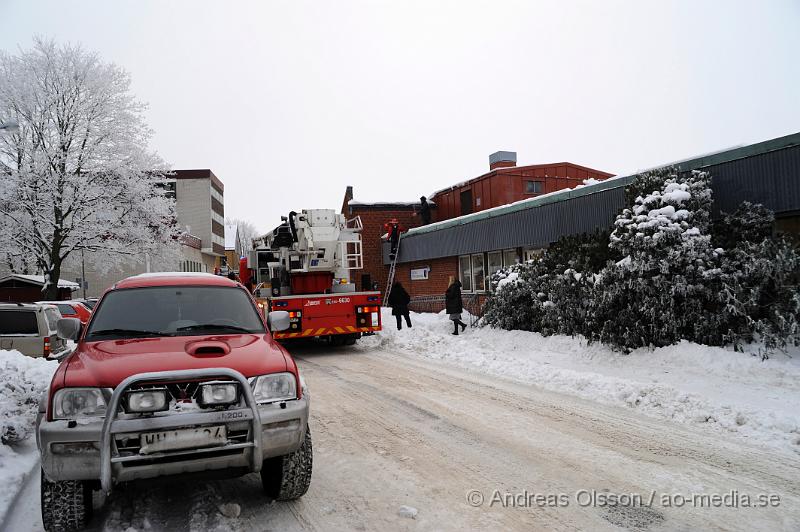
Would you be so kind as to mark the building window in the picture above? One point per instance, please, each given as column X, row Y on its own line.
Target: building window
column 465, row 273
column 510, row 258
column 533, row 254
column 494, row 264
column 534, row 187
column 478, row 277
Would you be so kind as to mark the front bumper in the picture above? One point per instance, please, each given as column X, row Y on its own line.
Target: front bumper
column 106, row 449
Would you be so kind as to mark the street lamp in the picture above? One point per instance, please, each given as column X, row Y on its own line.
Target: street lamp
column 10, row 126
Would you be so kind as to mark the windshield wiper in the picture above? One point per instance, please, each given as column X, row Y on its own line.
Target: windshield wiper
column 128, row 332
column 214, row 327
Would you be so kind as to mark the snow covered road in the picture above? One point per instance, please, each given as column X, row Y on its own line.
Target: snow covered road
column 400, row 443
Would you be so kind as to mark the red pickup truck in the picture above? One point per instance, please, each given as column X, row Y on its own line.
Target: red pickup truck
column 174, row 374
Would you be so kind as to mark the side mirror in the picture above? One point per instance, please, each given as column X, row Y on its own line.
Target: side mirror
column 68, row 328
column 278, row 320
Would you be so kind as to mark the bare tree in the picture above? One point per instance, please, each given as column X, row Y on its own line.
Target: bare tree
column 77, row 174
column 247, row 231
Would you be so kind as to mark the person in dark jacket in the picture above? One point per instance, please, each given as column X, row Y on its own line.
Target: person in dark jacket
column 453, row 305
column 424, row 210
column 399, row 300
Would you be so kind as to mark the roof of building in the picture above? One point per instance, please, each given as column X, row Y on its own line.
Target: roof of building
column 511, row 170
column 198, row 173
column 766, row 172
column 38, row 280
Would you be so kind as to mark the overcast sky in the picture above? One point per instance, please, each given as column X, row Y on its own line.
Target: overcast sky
column 290, row 102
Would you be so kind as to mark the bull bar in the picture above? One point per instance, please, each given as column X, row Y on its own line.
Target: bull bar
column 112, row 425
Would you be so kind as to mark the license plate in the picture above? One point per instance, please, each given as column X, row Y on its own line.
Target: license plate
column 174, row 440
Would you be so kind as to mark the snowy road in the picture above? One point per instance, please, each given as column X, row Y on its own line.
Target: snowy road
column 392, row 431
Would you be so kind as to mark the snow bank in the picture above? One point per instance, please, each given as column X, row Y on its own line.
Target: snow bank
column 724, row 391
column 23, row 379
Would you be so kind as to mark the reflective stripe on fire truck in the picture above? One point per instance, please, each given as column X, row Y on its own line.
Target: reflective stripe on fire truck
column 324, row 331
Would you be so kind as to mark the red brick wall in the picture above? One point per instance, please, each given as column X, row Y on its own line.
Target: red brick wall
column 507, row 185
column 373, row 220
column 441, row 270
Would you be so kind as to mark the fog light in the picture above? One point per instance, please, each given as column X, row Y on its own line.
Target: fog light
column 152, row 400
column 219, row 394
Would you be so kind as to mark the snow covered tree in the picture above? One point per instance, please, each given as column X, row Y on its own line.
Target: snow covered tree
column 655, row 295
column 247, row 231
column 78, row 174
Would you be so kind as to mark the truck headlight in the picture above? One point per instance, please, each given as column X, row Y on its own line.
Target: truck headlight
column 146, row 401
column 71, row 403
column 218, row 394
column 274, row 387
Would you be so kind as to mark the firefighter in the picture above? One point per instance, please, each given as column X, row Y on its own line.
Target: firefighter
column 399, row 300
column 393, row 230
column 453, row 305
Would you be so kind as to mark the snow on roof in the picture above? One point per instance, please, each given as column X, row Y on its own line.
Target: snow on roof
column 230, row 236
column 39, row 279
column 402, row 203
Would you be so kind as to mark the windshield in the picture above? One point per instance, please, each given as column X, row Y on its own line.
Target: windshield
column 174, row 311
column 66, row 310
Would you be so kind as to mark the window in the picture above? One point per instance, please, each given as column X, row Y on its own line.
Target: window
column 466, row 202
column 478, row 277
column 494, row 264
column 18, row 323
column 533, row 254
column 534, row 187
column 510, row 257
column 465, row 273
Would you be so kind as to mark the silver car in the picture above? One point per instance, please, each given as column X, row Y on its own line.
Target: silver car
column 30, row 329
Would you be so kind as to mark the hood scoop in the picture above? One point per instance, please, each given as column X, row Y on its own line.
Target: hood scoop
column 208, row 348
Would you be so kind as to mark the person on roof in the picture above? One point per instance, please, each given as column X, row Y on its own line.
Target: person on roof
column 424, row 211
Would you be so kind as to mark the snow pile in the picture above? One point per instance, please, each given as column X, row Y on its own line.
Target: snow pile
column 722, row 390
column 23, row 379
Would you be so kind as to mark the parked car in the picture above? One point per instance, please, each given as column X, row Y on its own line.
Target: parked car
column 89, row 303
column 176, row 373
column 71, row 309
column 30, row 329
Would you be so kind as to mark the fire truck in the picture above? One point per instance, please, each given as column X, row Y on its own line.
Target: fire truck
column 303, row 267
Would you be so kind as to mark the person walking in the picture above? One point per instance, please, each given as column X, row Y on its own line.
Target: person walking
column 453, row 305
column 399, row 300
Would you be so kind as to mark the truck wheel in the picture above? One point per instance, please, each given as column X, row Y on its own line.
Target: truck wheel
column 66, row 504
column 287, row 477
column 337, row 340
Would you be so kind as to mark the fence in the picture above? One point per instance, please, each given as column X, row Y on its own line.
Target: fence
column 473, row 304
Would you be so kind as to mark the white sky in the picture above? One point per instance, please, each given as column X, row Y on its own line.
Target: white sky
column 289, row 102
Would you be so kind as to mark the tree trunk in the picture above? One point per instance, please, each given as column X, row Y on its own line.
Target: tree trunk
column 50, row 292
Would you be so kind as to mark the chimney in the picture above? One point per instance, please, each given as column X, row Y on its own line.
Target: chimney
column 502, row 159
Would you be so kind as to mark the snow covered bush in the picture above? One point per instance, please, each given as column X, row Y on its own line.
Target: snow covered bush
column 658, row 291
column 22, row 382
column 664, row 274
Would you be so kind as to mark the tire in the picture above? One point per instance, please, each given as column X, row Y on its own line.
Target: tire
column 337, row 340
column 66, row 504
column 287, row 477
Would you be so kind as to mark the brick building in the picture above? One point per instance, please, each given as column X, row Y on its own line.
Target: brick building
column 473, row 246
column 373, row 217
column 505, row 183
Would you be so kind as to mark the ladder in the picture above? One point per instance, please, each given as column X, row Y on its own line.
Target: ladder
column 392, row 270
